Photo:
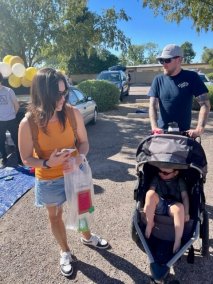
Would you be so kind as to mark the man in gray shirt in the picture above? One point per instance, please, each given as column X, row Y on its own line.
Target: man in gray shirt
column 9, row 107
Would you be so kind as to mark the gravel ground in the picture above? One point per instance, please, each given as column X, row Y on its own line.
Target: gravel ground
column 28, row 251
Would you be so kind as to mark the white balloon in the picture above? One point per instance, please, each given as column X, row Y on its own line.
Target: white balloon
column 18, row 70
column 5, row 69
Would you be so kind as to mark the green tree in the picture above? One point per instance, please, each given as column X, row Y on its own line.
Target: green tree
column 36, row 30
column 26, row 27
column 188, row 52
column 176, row 10
column 151, row 51
column 86, row 30
column 135, row 55
column 93, row 63
column 140, row 54
column 207, row 55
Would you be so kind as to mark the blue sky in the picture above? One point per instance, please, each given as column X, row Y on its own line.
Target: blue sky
column 144, row 27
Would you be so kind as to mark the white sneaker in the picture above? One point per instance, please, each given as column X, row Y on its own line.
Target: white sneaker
column 66, row 263
column 95, row 241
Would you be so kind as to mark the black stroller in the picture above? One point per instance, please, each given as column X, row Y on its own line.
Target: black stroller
column 176, row 152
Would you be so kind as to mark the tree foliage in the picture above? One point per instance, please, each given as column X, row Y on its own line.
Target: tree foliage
column 188, row 52
column 36, row 30
column 140, row 54
column 93, row 63
column 207, row 55
column 176, row 10
column 26, row 28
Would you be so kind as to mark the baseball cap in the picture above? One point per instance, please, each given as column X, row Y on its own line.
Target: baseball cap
column 171, row 50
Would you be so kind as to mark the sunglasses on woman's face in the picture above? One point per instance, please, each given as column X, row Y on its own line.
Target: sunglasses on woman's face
column 166, row 60
column 166, row 173
column 62, row 94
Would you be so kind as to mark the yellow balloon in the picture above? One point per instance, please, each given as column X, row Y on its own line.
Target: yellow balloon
column 30, row 73
column 25, row 83
column 15, row 59
column 14, row 81
column 7, row 58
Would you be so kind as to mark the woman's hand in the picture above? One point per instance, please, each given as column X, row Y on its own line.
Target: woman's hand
column 58, row 158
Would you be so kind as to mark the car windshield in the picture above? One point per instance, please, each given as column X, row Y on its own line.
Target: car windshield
column 113, row 77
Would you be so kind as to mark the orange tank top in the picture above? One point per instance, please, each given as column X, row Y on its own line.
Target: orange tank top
column 57, row 138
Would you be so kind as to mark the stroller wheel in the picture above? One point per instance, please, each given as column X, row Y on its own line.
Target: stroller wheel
column 204, row 233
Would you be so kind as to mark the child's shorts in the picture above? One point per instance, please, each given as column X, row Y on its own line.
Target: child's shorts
column 49, row 192
column 163, row 206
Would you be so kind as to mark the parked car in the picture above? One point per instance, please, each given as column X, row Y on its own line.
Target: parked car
column 205, row 79
column 117, row 67
column 86, row 105
column 118, row 78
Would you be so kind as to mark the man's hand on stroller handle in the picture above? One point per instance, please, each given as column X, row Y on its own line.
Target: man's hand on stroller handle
column 157, row 131
column 195, row 132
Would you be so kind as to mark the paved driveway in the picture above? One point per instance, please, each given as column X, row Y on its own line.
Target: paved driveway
column 29, row 253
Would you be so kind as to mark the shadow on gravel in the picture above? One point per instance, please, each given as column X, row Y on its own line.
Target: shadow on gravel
column 191, row 273
column 98, row 189
column 210, row 211
column 115, row 138
column 95, row 274
column 98, row 276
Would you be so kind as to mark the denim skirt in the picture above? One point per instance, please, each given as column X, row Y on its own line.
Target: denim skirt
column 49, row 192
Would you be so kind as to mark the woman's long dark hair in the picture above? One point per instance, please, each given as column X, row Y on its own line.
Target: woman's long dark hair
column 44, row 94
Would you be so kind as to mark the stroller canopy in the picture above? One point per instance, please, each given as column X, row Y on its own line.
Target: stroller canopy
column 175, row 151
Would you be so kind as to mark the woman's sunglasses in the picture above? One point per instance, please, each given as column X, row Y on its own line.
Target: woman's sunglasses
column 166, row 173
column 166, row 60
column 62, row 94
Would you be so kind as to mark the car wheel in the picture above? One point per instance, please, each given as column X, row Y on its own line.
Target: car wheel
column 127, row 92
column 95, row 116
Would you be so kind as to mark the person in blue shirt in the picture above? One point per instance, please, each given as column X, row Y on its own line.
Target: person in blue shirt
column 9, row 107
column 173, row 92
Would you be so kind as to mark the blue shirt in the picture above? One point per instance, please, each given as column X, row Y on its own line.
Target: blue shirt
column 175, row 95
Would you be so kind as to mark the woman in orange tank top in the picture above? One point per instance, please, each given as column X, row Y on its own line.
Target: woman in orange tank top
column 48, row 98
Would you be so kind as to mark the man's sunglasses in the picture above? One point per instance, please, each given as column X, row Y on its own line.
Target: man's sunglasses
column 167, row 60
column 166, row 173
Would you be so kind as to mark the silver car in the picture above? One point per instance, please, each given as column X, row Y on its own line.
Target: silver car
column 86, row 105
column 205, row 79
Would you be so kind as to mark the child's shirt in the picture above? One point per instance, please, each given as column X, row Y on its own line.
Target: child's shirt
column 169, row 189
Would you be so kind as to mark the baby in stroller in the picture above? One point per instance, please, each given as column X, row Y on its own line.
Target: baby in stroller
column 167, row 195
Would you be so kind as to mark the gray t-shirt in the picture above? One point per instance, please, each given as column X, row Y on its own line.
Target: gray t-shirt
column 7, row 104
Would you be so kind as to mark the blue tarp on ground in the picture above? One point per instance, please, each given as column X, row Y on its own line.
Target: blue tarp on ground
column 12, row 189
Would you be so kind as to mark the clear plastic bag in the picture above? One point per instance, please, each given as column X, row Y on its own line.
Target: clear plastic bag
column 79, row 193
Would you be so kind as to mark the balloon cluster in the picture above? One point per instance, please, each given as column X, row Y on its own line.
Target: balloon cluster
column 13, row 68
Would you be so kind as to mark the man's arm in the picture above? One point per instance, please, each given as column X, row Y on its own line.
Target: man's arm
column 153, row 114
column 205, row 106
